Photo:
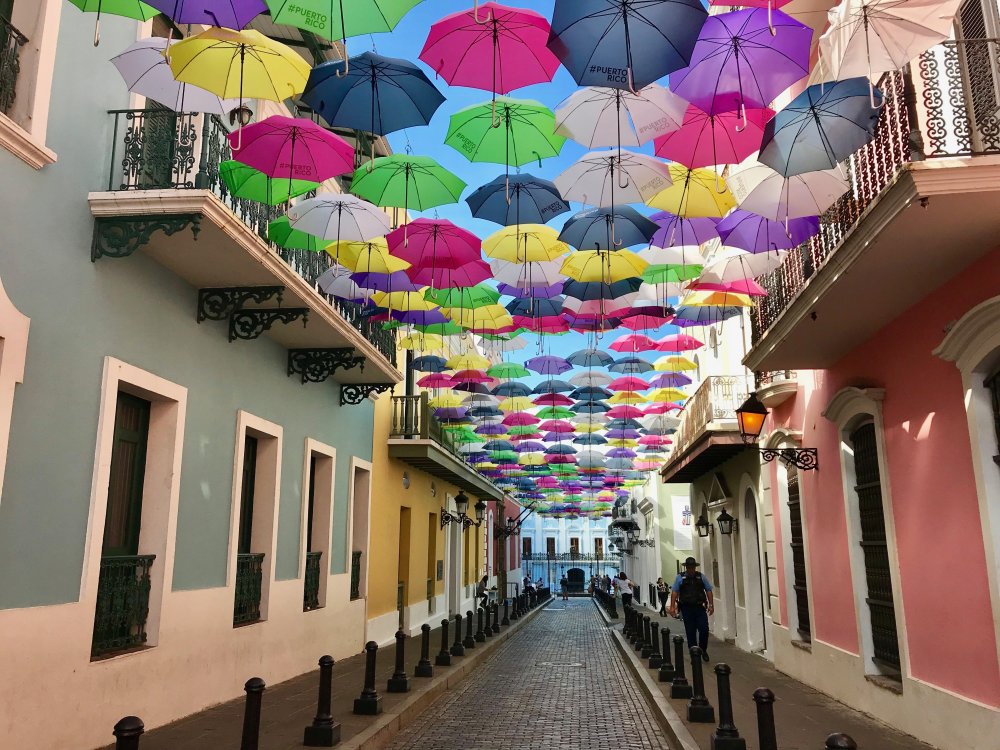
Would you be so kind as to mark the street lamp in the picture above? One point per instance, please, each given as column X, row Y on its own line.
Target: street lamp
column 751, row 416
column 633, row 535
column 703, row 526
column 727, row 524
column 462, row 513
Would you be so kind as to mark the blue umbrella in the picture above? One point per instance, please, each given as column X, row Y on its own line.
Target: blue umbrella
column 528, row 200
column 589, row 438
column 587, row 290
column 623, row 424
column 704, row 315
column 535, row 308
column 377, row 94
column 590, row 393
column 590, row 358
column 590, row 407
column 477, row 412
column 513, row 388
column 498, row 445
column 561, row 450
column 821, row 127
column 608, row 228
column 631, row 366
column 552, row 385
column 624, row 44
column 429, row 363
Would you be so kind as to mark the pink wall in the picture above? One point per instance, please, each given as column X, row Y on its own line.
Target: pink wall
column 933, row 493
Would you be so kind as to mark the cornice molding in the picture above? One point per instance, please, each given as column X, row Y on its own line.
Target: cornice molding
column 850, row 401
column 19, row 142
column 972, row 336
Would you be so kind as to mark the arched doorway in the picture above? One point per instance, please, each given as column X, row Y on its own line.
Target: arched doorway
column 754, row 583
column 575, row 576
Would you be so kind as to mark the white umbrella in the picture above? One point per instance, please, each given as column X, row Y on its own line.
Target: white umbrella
column 678, row 255
column 609, row 178
column 736, row 265
column 336, row 281
column 480, row 399
column 339, row 217
column 590, row 377
column 658, row 294
column 660, row 423
column 760, row 190
column 597, row 116
column 147, row 73
column 524, row 276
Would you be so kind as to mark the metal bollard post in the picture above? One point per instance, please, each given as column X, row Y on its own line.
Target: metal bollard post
column 488, row 627
column 655, row 658
column 496, row 617
column 679, row 687
column 444, row 657
column 666, row 667
column 324, row 731
column 513, row 608
column 370, row 702
column 470, row 640
column 399, row 682
column 457, row 649
column 840, row 742
column 699, row 709
column 506, row 612
column 630, row 630
column 480, row 636
column 766, row 737
column 424, row 667
column 647, row 636
column 726, row 736
column 612, row 609
column 251, row 715
column 127, row 733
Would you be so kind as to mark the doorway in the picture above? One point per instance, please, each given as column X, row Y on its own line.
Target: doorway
column 754, row 584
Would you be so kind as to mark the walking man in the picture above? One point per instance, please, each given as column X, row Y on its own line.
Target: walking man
column 693, row 592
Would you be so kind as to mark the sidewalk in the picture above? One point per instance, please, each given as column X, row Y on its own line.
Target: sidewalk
column 804, row 717
column 289, row 707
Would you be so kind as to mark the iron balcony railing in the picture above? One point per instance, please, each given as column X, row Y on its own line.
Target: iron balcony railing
column 249, row 585
column 770, row 377
column 11, row 42
column 716, row 400
column 945, row 104
column 122, row 603
column 310, row 597
column 355, row 575
column 569, row 557
column 158, row 149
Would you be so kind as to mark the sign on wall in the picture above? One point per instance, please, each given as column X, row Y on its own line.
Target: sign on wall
column 683, row 522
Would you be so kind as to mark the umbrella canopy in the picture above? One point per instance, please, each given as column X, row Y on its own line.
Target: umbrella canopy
column 338, row 216
column 418, row 341
column 246, row 182
column 405, row 181
column 518, row 199
column 526, row 132
column 523, row 244
column 706, row 316
column 590, row 358
column 534, row 280
column 434, row 243
column 597, row 116
column 337, row 282
column 605, row 178
column 760, row 189
column 633, row 342
column 508, row 370
column 127, row 8
column 704, row 140
column 429, row 363
column 292, row 148
column 676, row 230
column 552, row 385
column 674, row 363
column 603, row 265
column 548, row 365
column 340, row 19
column 281, row 233
column 733, row 265
column 607, row 229
column 469, row 297
column 753, row 233
column 678, row 342
column 232, row 14
column 695, row 193
column 624, row 44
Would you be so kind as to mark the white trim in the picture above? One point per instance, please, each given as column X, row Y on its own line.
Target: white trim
column 21, row 144
column 14, row 327
column 365, row 466
column 324, row 507
column 755, row 636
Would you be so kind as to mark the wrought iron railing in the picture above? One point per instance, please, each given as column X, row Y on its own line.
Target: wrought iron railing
column 355, row 575
column 11, row 41
column 569, row 557
column 158, row 149
column 716, row 400
column 945, row 104
column 310, row 597
column 122, row 603
column 770, row 377
column 249, row 585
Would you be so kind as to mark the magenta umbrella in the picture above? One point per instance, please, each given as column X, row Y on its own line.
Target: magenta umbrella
column 633, row 342
column 705, row 140
column 506, row 51
column 292, row 148
column 435, row 243
column 678, row 342
column 437, row 277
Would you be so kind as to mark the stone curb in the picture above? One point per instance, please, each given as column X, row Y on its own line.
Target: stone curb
column 664, row 712
column 390, row 723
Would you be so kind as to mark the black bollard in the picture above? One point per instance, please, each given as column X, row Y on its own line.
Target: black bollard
column 699, row 709
column 470, row 640
column 399, row 682
column 627, row 628
column 631, row 624
column 726, row 736
column 480, row 636
column 251, row 714
column 444, row 657
column 679, row 687
column 324, row 731
column 766, row 737
column 640, row 634
column 840, row 742
column 488, row 627
column 506, row 612
column 496, row 617
column 513, row 608
column 647, row 638
column 127, row 733
column 666, row 667
column 424, row 667
column 370, row 702
column 612, row 608
column 457, row 649
column 655, row 659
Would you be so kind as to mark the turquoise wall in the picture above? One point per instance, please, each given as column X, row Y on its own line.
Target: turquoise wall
column 136, row 311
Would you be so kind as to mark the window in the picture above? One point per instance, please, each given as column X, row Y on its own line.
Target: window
column 599, row 548
column 249, row 566
column 550, row 546
column 574, row 546
column 319, row 466
column 798, row 549
column 526, row 547
column 360, row 503
column 992, row 385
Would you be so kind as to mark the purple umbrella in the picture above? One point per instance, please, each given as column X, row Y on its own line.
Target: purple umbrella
column 622, row 435
column 675, row 230
column 621, row 453
column 385, row 282
column 420, row 317
column 738, row 64
column 670, row 380
column 535, row 292
column 548, row 365
column 755, row 234
column 530, row 446
column 232, row 14
column 491, row 429
column 450, row 412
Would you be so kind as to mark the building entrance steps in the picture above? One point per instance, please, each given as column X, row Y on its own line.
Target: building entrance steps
column 804, row 716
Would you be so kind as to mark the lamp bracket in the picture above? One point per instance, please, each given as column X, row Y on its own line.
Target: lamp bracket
column 804, row 459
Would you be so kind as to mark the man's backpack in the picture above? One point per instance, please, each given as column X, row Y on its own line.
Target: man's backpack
column 692, row 590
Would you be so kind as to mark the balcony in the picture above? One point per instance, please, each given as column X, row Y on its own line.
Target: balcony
column 418, row 439
column 923, row 205
column 571, row 557
column 708, row 434
column 123, row 588
column 165, row 198
column 11, row 42
column 249, row 588
column 310, row 594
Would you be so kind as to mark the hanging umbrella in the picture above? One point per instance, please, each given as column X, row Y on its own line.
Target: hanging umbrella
column 508, row 370
column 606, row 178
column 383, row 280
column 548, row 365
column 146, row 73
column 608, row 229
column 597, row 116
column 127, row 8
column 749, row 287
column 695, row 193
column 248, row 183
column 517, row 199
column 590, row 393
column 590, row 358
column 280, row 232
column 471, row 274
column 429, row 363
column 633, row 343
column 739, row 64
column 526, row 243
column 624, row 44
column 535, row 279
column 594, row 290
column 603, row 265
column 338, row 216
column 469, row 298
column 821, row 127
column 755, row 234
column 704, row 316
column 292, row 148
column 419, row 341
column 646, row 318
column 707, row 298
column 674, row 363
column 232, row 14
column 631, row 366
column 676, row 230
column 629, row 383
column 528, row 307
column 405, row 181
column 678, row 342
column 552, row 385
column 760, row 189
column 512, row 389
column 678, row 255
column 337, row 282
column 733, row 265
column 670, row 380
column 435, row 242
column 705, row 140
column 487, row 317
column 668, row 394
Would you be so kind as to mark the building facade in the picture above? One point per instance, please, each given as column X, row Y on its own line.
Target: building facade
column 576, row 548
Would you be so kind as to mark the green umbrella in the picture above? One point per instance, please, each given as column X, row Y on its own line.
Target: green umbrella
column 247, row 182
column 280, row 232
column 670, row 273
column 508, row 370
column 555, row 412
column 404, row 181
column 523, row 429
column 520, row 132
column 467, row 298
column 127, row 8
column 503, row 336
column 441, row 329
column 503, row 456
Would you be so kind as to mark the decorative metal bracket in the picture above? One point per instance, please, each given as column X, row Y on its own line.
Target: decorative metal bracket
column 352, row 394
column 250, row 324
column 804, row 459
column 448, row 517
column 646, row 542
column 221, row 302
column 317, row 365
column 120, row 236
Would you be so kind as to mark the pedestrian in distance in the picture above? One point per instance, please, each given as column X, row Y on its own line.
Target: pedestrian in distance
column 663, row 594
column 482, row 592
column 624, row 586
column 692, row 594
column 564, row 588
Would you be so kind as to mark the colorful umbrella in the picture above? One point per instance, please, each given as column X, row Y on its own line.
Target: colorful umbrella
column 421, row 341
column 338, row 216
column 524, row 244
column 405, row 181
column 633, row 343
column 292, row 148
column 525, row 133
column 534, row 280
column 676, row 230
column 760, row 189
column 606, row 178
column 755, row 234
column 590, row 358
column 733, row 265
column 337, row 282
column 597, row 116
column 548, row 365
column 603, row 265
column 607, row 229
column 250, row 184
column 695, row 193
column 706, row 140
column 678, row 342
column 517, row 199
column 232, row 14
column 127, row 8
column 469, row 298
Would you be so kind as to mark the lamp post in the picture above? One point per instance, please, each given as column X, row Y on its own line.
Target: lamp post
column 751, row 416
column 461, row 514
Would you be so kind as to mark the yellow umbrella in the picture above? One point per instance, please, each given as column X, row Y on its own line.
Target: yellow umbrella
column 468, row 361
column 674, row 364
column 487, row 316
column 366, row 257
column 694, row 193
column 421, row 341
column 525, row 243
column 447, row 401
column 531, row 459
column 603, row 266
column 516, row 403
column 485, row 465
column 627, row 397
column 403, row 301
column 665, row 395
column 589, row 427
column 724, row 299
column 623, row 443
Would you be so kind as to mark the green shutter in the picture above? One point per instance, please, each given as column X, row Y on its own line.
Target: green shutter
column 246, row 494
column 128, row 467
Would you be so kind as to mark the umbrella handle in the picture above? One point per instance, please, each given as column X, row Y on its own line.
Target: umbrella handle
column 621, row 172
column 770, row 22
column 494, row 122
column 871, row 96
column 475, row 15
column 631, row 82
column 743, row 112
column 507, row 190
column 347, row 63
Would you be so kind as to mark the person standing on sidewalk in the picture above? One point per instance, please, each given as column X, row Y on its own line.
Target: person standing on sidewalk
column 693, row 592
column 624, row 586
column 663, row 594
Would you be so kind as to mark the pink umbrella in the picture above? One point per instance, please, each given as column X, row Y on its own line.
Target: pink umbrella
column 292, row 148
column 623, row 411
column 662, row 409
column 436, row 380
column 678, row 342
column 628, row 383
column 557, row 425
column 434, row 243
column 469, row 274
column 705, row 140
column 470, row 376
column 599, row 306
column 655, row 440
column 552, row 399
column 646, row 318
column 559, row 458
column 520, row 419
column 633, row 342
column 544, row 324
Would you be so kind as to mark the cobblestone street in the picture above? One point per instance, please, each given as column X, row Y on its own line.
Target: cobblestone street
column 558, row 683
